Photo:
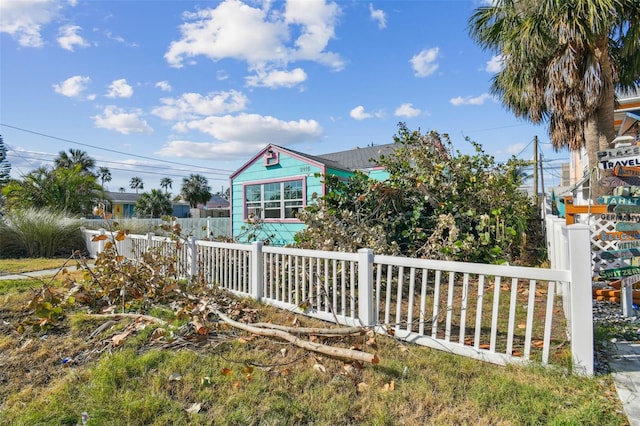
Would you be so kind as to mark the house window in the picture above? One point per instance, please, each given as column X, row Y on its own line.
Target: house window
column 274, row 200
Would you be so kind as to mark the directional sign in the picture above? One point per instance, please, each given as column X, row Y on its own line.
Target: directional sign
column 623, row 151
column 614, row 181
column 627, row 226
column 626, row 171
column 621, row 235
column 620, row 254
column 611, row 163
column 628, row 244
column 619, row 200
column 630, row 280
column 619, row 272
column 626, row 209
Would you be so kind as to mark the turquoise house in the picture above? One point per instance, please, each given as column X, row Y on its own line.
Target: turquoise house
column 278, row 182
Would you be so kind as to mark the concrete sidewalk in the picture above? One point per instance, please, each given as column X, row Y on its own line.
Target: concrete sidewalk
column 625, row 366
column 36, row 274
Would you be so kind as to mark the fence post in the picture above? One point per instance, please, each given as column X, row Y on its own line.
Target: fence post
column 149, row 240
column 366, row 313
column 101, row 242
column 581, row 316
column 192, row 257
column 257, row 270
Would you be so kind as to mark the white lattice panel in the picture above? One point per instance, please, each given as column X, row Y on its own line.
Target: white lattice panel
column 597, row 226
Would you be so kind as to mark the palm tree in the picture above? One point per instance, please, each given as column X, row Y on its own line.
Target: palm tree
column 196, row 190
column 122, row 189
column 77, row 156
column 165, row 183
column 562, row 63
column 154, row 203
column 136, row 183
column 105, row 176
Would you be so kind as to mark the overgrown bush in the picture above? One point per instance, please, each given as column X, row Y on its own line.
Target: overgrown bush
column 436, row 203
column 39, row 233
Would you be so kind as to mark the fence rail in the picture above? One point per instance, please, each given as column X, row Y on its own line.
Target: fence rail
column 499, row 314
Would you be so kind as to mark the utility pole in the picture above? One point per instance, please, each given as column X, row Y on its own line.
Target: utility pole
column 535, row 170
column 541, row 177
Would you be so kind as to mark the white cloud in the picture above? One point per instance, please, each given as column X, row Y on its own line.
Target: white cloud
column 495, row 64
column 468, row 100
column 120, row 89
column 425, row 63
column 406, row 110
column 191, row 105
column 379, row 16
column 358, row 113
column 514, row 149
column 114, row 118
column 163, row 85
column 68, row 37
column 255, row 129
column 24, row 19
column 73, row 86
column 274, row 79
column 258, row 36
column 209, row 150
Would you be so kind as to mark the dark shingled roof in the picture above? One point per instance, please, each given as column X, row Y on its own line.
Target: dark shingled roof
column 359, row 158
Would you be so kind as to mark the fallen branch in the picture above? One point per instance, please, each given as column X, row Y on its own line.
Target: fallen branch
column 329, row 332
column 134, row 316
column 304, row 344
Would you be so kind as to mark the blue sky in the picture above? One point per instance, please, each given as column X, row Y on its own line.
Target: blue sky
column 167, row 88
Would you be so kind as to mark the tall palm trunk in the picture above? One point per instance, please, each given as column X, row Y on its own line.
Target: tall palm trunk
column 600, row 129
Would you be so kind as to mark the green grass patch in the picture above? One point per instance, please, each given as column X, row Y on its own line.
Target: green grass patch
column 17, row 266
column 18, row 286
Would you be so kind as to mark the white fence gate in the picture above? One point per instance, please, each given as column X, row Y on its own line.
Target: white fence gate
column 499, row 314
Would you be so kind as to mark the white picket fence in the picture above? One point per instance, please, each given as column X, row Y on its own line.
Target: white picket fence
column 498, row 314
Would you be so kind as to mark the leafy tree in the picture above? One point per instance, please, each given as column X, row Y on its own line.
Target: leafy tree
column 105, row 175
column 166, row 182
column 122, row 189
column 136, row 183
column 562, row 63
column 155, row 204
column 74, row 158
column 62, row 189
column 436, row 203
column 196, row 190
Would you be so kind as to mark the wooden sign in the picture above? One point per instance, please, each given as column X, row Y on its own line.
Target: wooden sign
column 627, row 226
column 620, row 235
column 630, row 280
column 623, row 151
column 614, row 181
column 620, row 254
column 619, row 200
column 626, row 209
column 623, row 171
column 628, row 244
column 610, row 164
column 619, row 272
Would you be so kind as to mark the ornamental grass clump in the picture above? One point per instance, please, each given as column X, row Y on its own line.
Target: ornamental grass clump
column 39, row 233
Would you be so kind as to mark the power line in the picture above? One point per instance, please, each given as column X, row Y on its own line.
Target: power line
column 106, row 149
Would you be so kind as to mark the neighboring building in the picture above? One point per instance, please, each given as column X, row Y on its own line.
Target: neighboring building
column 627, row 124
column 278, row 182
column 123, row 204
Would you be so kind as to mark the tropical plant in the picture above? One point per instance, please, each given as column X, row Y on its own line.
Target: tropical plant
column 196, row 190
column 155, row 204
column 165, row 183
column 562, row 62
column 36, row 232
column 105, row 176
column 436, row 203
column 61, row 190
column 136, row 183
column 5, row 166
column 74, row 158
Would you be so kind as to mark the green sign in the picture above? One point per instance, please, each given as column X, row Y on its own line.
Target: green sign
column 620, row 254
column 619, row 272
column 619, row 200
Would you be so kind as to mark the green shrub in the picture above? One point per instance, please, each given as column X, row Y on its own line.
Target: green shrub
column 39, row 233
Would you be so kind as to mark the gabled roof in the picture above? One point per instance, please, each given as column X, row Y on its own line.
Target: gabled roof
column 350, row 160
column 359, row 158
